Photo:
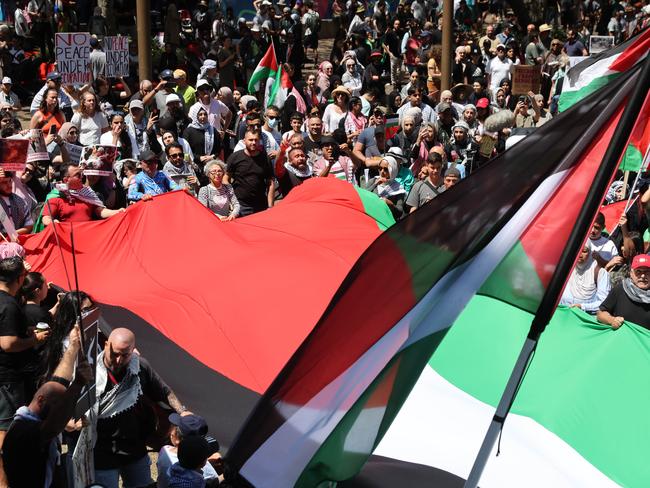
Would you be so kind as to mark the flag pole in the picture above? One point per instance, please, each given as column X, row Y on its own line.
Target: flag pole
column 567, row 260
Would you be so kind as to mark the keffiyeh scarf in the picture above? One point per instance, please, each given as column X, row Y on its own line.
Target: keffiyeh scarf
column 124, row 395
column 635, row 293
column 84, row 194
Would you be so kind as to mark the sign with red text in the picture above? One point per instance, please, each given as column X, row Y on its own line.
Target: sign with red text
column 73, row 57
column 526, row 79
column 117, row 56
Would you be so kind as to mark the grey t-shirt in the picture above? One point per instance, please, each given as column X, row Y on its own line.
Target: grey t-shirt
column 421, row 193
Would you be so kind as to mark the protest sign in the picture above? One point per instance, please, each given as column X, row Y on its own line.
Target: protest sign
column 98, row 159
column 83, row 459
column 73, row 56
column 117, row 56
column 90, row 326
column 37, row 150
column 525, row 79
column 598, row 44
column 74, row 152
column 13, row 154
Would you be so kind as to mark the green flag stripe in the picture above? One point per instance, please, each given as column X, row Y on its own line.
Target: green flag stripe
column 376, row 208
column 571, row 97
column 632, row 159
column 588, row 384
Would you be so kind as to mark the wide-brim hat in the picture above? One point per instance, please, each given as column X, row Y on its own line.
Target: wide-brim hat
column 341, row 89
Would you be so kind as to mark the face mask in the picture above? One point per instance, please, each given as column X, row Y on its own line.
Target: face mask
column 273, row 123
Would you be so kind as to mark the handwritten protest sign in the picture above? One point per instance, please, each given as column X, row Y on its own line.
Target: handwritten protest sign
column 72, row 56
column 117, row 56
column 525, row 79
column 13, row 154
column 98, row 159
column 37, row 150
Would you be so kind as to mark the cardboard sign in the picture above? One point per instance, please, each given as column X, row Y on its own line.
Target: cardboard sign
column 525, row 79
column 98, row 159
column 74, row 152
column 90, row 327
column 117, row 56
column 37, row 150
column 73, row 57
column 13, row 154
column 598, row 44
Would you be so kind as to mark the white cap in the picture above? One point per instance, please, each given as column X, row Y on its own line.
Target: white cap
column 136, row 104
column 6, row 80
column 171, row 98
column 202, row 82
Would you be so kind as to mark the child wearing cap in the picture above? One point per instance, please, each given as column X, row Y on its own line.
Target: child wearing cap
column 183, row 428
column 193, row 452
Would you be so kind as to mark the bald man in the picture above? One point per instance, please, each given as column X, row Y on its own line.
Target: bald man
column 126, row 387
column 30, row 450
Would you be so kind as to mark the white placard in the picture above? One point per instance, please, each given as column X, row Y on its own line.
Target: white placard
column 73, row 57
column 117, row 56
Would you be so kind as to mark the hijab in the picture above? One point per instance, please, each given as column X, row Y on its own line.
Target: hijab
column 207, row 128
column 63, row 131
column 226, row 94
column 391, row 187
column 583, row 280
column 323, row 79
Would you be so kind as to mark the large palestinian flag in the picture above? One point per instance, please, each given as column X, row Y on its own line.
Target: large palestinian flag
column 501, row 231
column 218, row 308
column 595, row 72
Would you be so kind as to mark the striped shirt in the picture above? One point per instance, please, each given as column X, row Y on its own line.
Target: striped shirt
column 222, row 201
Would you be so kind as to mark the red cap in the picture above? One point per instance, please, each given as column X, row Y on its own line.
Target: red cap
column 641, row 261
column 483, row 103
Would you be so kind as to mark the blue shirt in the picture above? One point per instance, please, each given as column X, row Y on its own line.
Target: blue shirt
column 143, row 184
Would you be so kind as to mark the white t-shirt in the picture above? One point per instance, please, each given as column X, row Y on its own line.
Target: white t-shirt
column 217, row 112
column 498, row 70
column 90, row 128
column 331, row 119
column 107, row 139
column 605, row 247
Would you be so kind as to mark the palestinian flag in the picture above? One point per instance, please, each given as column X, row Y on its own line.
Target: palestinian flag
column 639, row 143
column 392, row 127
column 595, row 72
column 267, row 68
column 278, row 90
column 331, row 405
column 579, row 418
column 613, row 213
column 217, row 308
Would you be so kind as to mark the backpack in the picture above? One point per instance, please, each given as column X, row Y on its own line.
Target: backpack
column 313, row 22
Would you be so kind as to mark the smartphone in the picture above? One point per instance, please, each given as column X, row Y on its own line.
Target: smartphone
column 52, row 129
column 523, row 99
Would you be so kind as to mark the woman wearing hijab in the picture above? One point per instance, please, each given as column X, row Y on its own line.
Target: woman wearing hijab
column 67, row 133
column 351, row 78
column 201, row 136
column 387, row 187
column 325, row 71
column 588, row 284
column 407, row 137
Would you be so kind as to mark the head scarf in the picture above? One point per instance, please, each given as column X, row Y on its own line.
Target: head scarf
column 65, row 128
column 391, row 187
column 207, row 64
column 323, row 79
column 207, row 128
column 614, row 187
column 582, row 283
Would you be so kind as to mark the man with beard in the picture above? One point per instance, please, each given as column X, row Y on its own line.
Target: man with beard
column 219, row 115
column 126, row 387
column 74, row 202
column 293, row 172
column 630, row 299
column 251, row 175
column 314, row 136
column 176, row 113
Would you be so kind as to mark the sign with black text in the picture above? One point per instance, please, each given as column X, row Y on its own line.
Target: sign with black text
column 117, row 56
column 73, row 57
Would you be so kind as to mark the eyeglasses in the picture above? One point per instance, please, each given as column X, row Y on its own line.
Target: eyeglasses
column 176, row 155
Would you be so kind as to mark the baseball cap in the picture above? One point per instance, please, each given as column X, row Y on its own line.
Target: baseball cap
column 202, row 83
column 641, row 261
column 189, row 424
column 167, row 75
column 328, row 141
column 171, row 98
column 54, row 75
column 501, row 46
column 148, row 155
column 483, row 103
column 6, row 80
column 136, row 104
column 179, row 74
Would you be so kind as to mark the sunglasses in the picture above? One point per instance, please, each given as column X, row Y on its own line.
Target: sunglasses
column 176, row 155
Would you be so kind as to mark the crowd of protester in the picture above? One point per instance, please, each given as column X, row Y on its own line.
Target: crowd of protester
column 370, row 112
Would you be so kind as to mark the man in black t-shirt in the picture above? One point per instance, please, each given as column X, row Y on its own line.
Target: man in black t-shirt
column 16, row 345
column 251, row 175
column 126, row 387
column 312, row 145
column 629, row 300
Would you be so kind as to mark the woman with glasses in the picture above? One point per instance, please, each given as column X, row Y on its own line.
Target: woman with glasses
column 90, row 120
column 387, row 187
column 217, row 196
column 335, row 112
